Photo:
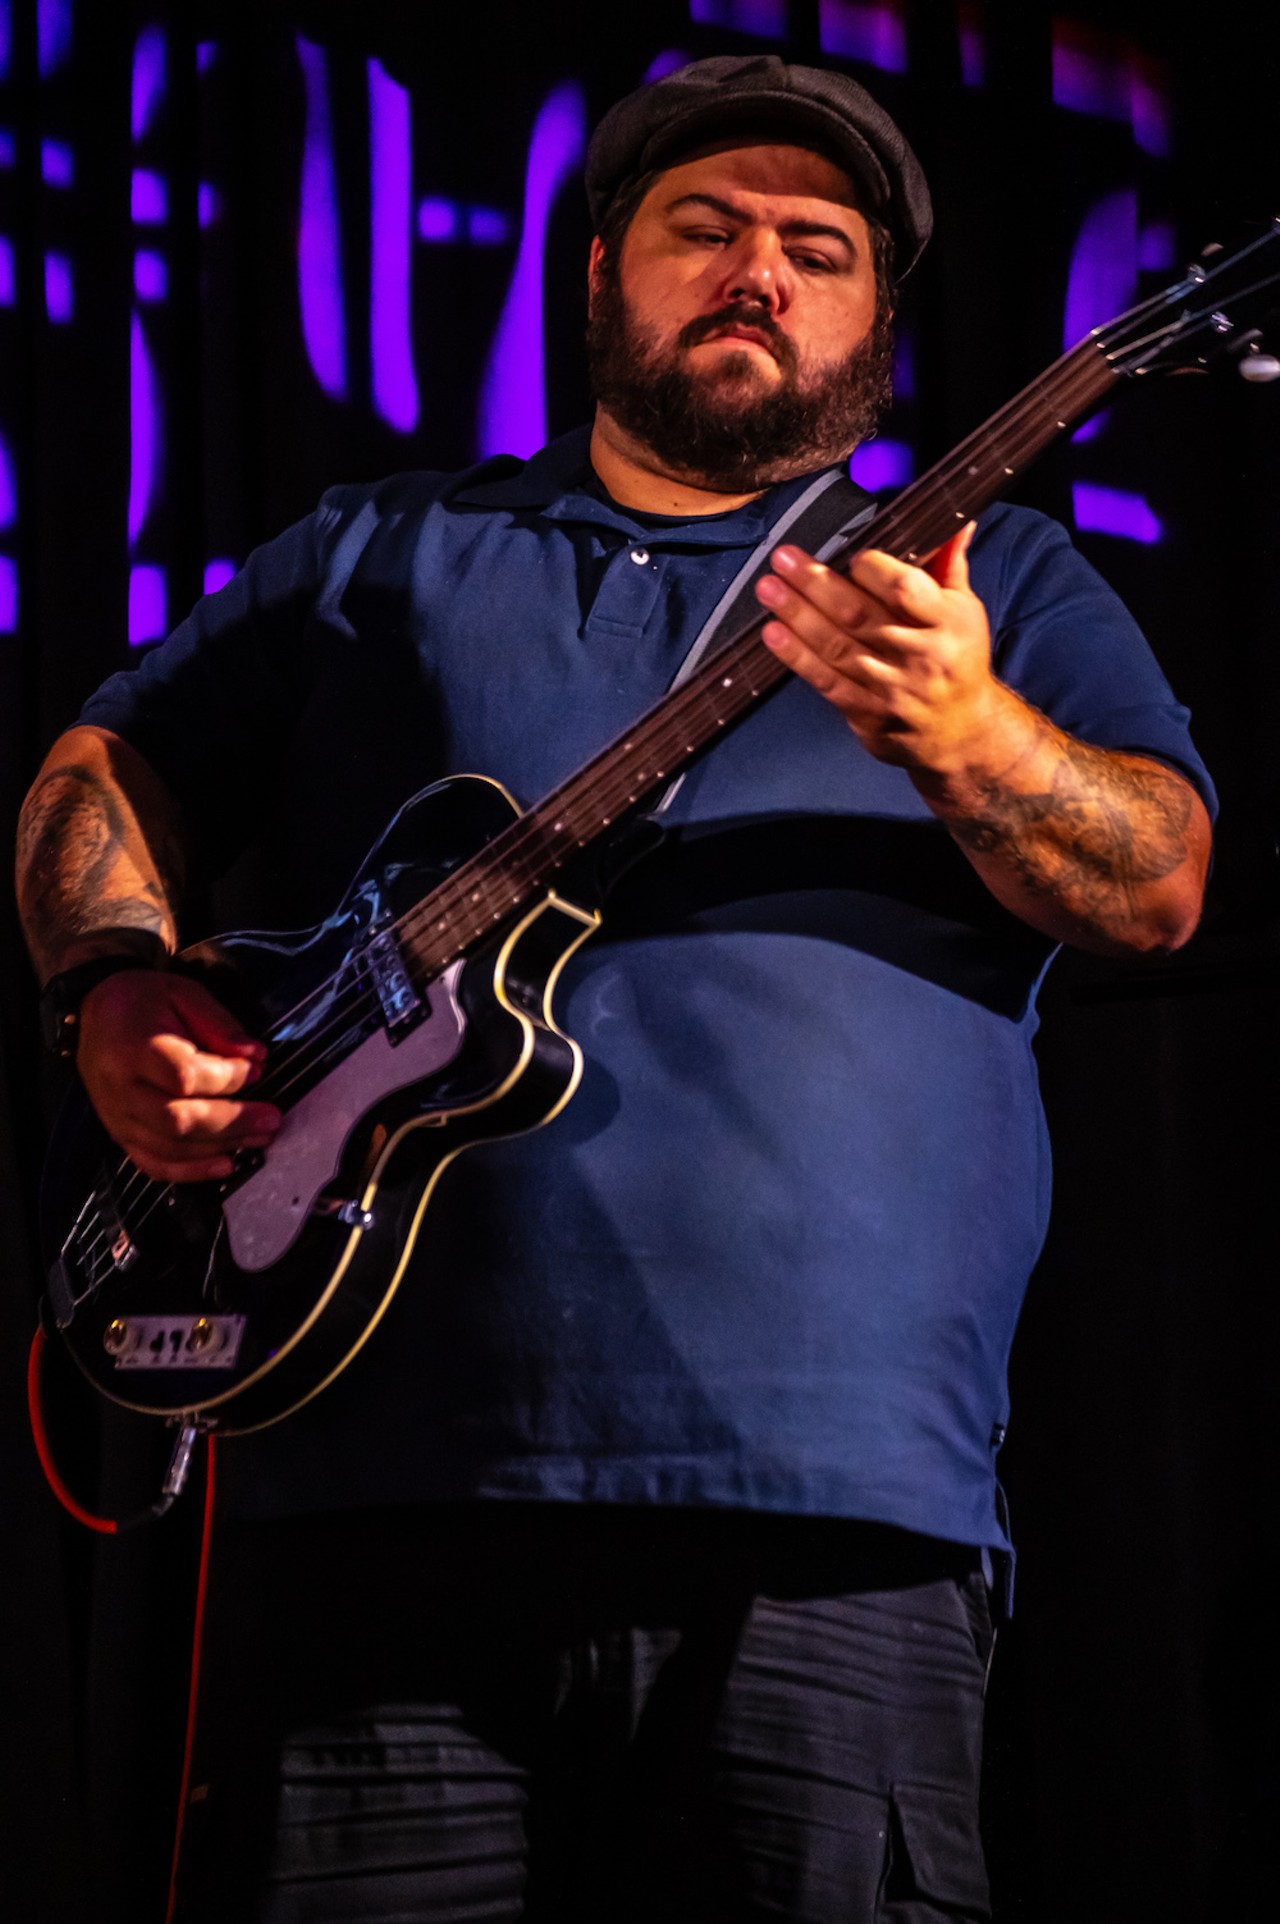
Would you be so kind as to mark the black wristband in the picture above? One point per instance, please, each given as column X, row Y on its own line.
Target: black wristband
column 63, row 994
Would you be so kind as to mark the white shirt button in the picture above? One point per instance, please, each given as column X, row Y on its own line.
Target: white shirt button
column 640, row 556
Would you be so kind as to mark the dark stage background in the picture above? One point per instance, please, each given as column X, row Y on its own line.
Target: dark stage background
column 247, row 252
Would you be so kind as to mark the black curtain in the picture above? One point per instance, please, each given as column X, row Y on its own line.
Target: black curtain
column 208, row 313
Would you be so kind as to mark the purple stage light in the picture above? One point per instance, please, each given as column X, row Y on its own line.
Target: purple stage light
column 8, row 288
column 766, row 19
column 875, row 34
column 513, row 414
column 8, row 145
column 487, row 227
column 150, row 276
column 217, row 574
column 149, row 68
column 8, row 596
column 880, row 465
column 395, row 386
column 1102, row 277
column 324, row 329
column 1149, row 108
column 1087, row 80
column 1157, row 248
column 437, row 220
column 148, row 198
column 57, row 164
column 1112, row 511
column 1098, row 73
column 6, row 38
column 144, row 429
column 208, row 204
column 8, row 487
column 53, row 35
column 206, row 54
column 669, row 61
column 59, row 297
column 148, row 605
column 973, row 45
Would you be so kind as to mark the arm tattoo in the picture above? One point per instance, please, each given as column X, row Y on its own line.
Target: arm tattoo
column 87, row 872
column 1109, row 824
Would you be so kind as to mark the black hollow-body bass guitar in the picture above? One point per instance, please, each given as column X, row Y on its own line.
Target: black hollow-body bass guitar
column 418, row 1019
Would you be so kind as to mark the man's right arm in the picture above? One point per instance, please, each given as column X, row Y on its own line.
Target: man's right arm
column 100, row 856
column 100, row 865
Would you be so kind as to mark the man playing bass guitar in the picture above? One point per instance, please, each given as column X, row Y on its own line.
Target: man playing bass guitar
column 636, row 1567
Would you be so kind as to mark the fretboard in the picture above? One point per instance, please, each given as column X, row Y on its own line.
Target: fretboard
column 518, row 867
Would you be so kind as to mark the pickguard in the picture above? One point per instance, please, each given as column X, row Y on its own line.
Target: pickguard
column 265, row 1214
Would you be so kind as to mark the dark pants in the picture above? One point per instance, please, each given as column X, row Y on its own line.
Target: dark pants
column 587, row 1716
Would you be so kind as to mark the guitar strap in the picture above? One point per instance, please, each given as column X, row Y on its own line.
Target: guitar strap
column 830, row 509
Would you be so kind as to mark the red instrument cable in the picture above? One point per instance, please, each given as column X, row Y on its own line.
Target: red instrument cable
column 105, row 1525
column 193, row 1693
column 111, row 1526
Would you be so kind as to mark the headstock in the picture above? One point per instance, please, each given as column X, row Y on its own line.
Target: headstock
column 1211, row 313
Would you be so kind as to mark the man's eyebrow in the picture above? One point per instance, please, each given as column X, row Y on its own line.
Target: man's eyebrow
column 792, row 229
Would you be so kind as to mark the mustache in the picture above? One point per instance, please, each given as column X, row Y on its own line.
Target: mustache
column 743, row 314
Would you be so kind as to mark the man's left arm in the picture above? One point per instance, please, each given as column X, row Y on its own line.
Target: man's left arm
column 1096, row 847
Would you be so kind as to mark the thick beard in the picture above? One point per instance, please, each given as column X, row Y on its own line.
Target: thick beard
column 717, row 428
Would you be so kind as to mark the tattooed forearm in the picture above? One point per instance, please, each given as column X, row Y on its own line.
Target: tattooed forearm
column 99, row 866
column 1097, row 847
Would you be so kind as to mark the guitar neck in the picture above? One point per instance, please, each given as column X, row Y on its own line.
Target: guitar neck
column 516, row 870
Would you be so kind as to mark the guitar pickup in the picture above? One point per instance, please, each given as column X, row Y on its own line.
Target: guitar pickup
column 399, row 1000
column 173, row 1342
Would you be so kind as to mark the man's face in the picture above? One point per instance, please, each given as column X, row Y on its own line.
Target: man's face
column 737, row 336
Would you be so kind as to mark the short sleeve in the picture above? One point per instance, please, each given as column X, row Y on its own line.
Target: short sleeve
column 210, row 707
column 1066, row 641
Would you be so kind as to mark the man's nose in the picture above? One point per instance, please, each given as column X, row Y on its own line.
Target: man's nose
column 758, row 270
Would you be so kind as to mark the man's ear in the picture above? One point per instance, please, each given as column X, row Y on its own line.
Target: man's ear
column 594, row 261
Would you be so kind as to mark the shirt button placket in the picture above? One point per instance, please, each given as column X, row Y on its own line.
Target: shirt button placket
column 626, row 596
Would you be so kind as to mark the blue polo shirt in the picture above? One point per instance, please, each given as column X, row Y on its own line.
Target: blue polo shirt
column 772, row 1253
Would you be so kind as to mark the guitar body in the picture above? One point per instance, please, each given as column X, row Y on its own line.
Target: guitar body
column 235, row 1302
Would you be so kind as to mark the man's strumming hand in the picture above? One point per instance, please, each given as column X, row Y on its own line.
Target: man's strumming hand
column 164, row 1065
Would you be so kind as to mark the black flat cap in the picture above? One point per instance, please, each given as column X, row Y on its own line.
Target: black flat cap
column 762, row 95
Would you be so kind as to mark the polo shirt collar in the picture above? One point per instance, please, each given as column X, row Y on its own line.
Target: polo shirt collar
column 558, row 480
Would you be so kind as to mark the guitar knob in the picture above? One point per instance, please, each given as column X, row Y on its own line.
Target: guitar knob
column 1259, row 367
column 115, row 1337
